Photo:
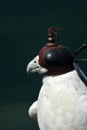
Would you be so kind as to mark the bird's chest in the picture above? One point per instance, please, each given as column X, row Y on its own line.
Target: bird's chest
column 55, row 96
column 54, row 100
column 57, row 106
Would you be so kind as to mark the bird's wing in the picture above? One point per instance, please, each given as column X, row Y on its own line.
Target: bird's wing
column 81, row 74
column 33, row 111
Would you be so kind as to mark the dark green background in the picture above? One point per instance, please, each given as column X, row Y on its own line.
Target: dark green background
column 23, row 31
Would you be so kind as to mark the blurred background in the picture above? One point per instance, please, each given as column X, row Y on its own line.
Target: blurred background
column 23, row 32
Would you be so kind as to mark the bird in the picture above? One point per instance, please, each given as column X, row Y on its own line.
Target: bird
column 62, row 100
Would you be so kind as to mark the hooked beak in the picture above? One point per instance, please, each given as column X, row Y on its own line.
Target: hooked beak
column 33, row 66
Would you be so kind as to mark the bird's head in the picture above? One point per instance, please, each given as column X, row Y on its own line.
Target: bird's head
column 52, row 59
column 34, row 66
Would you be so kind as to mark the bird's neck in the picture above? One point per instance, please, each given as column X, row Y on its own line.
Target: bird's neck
column 59, row 70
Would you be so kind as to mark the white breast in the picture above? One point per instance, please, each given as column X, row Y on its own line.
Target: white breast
column 62, row 103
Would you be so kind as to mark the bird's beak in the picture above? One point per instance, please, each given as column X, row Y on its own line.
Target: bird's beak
column 33, row 66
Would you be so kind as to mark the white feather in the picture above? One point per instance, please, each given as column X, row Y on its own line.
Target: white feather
column 33, row 111
column 62, row 103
